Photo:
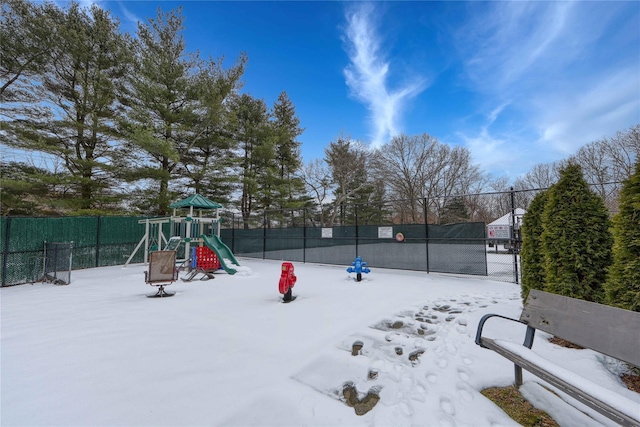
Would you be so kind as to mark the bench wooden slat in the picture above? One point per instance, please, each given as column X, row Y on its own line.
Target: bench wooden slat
column 605, row 329
column 571, row 390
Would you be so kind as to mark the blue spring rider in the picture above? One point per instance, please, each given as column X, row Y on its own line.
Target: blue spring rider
column 358, row 266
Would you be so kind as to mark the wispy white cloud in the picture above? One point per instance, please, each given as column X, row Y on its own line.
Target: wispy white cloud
column 84, row 4
column 568, row 122
column 130, row 16
column 487, row 150
column 367, row 75
column 88, row 3
column 565, row 83
column 507, row 44
column 495, row 113
column 493, row 151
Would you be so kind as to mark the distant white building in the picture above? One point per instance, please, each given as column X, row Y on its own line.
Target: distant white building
column 502, row 229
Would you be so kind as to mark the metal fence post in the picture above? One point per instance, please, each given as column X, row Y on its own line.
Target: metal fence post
column 513, row 240
column 355, row 210
column 5, row 250
column 70, row 262
column 426, row 231
column 304, row 235
column 264, row 235
column 98, row 231
column 233, row 232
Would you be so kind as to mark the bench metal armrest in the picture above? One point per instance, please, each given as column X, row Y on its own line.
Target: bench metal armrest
column 528, row 341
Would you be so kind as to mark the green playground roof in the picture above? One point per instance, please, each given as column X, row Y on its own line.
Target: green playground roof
column 197, row 201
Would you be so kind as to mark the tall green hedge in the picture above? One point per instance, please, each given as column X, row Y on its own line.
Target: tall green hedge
column 576, row 239
column 531, row 255
column 623, row 282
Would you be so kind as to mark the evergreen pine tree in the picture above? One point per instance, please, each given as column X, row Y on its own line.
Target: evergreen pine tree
column 27, row 190
column 70, row 116
column 161, row 122
column 25, row 33
column 623, row 282
column 256, row 167
column 531, row 255
column 370, row 203
column 454, row 211
column 209, row 163
column 347, row 161
column 290, row 186
column 576, row 239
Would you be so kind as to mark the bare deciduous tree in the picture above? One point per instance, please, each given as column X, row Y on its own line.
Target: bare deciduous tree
column 419, row 167
column 608, row 162
column 624, row 150
column 407, row 165
column 540, row 176
column 317, row 179
column 347, row 161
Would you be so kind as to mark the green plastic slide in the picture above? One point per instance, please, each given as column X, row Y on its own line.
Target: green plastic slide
column 227, row 260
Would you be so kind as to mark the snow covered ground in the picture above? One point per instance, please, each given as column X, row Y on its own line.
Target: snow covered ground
column 227, row 352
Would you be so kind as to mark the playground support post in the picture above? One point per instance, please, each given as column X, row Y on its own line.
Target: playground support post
column 146, row 242
column 145, row 239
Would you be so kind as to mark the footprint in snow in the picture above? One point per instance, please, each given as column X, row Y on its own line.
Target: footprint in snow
column 467, row 360
column 442, row 363
column 419, row 394
column 463, row 374
column 451, row 348
column 465, row 392
column 364, row 405
column 404, row 409
column 447, row 406
column 446, row 420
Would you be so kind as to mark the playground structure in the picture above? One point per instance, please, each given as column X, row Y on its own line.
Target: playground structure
column 212, row 256
column 228, row 262
column 204, row 251
column 204, row 261
column 187, row 227
column 358, row 266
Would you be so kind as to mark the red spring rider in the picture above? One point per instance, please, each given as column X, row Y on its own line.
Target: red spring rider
column 287, row 281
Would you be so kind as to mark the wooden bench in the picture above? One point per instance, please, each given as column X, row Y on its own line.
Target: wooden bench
column 608, row 330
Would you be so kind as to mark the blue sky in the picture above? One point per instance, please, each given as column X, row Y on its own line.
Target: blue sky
column 518, row 83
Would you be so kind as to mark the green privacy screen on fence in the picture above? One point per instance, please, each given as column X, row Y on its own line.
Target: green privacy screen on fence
column 453, row 248
column 97, row 241
column 105, row 241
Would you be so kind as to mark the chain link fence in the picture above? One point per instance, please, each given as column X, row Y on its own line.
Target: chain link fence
column 396, row 235
column 445, row 235
column 97, row 242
